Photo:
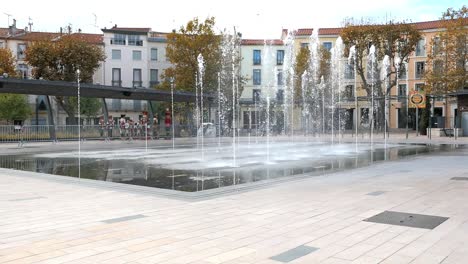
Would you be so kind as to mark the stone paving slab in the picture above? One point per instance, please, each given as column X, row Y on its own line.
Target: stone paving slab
column 53, row 219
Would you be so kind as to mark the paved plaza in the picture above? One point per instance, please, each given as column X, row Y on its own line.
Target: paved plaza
column 320, row 219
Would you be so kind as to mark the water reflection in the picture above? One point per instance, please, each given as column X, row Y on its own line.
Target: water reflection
column 141, row 172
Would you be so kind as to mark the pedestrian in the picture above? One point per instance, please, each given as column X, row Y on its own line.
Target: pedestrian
column 102, row 126
column 110, row 126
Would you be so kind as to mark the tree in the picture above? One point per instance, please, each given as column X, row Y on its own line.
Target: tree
column 394, row 41
column 446, row 69
column 300, row 66
column 397, row 40
column 183, row 48
column 14, row 107
column 59, row 60
column 7, row 62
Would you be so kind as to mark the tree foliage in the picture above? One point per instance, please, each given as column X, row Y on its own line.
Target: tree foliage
column 394, row 39
column 301, row 64
column 7, row 62
column 59, row 60
column 14, row 107
column 183, row 48
column 447, row 59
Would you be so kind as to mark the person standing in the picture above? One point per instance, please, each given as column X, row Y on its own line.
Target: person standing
column 110, row 126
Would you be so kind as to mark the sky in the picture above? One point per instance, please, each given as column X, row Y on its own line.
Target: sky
column 255, row 19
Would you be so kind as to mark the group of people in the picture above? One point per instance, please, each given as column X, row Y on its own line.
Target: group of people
column 130, row 129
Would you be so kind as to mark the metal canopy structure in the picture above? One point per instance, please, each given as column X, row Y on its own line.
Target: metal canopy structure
column 59, row 88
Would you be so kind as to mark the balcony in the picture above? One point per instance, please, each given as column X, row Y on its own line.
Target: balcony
column 137, row 84
column 117, row 83
column 117, row 41
column 153, row 83
column 135, row 42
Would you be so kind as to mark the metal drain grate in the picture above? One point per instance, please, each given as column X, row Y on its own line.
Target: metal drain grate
column 407, row 219
column 123, row 219
column 459, row 178
column 376, row 193
column 294, row 253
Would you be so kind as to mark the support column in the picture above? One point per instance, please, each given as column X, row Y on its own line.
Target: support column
column 105, row 112
column 50, row 120
column 150, row 111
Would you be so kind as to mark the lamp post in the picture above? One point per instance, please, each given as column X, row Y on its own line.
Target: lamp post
column 172, row 111
column 79, row 123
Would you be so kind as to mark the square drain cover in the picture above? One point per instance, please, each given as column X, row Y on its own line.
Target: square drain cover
column 459, row 178
column 407, row 219
column 376, row 193
column 294, row 253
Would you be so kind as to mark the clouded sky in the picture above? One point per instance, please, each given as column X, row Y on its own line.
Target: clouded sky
column 254, row 18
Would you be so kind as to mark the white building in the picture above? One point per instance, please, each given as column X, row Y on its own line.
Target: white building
column 136, row 57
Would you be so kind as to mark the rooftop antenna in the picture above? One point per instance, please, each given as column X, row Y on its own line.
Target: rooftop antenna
column 30, row 23
column 8, row 17
column 95, row 20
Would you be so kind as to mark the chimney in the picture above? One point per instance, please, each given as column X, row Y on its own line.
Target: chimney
column 79, row 30
column 12, row 28
column 115, row 26
column 61, row 31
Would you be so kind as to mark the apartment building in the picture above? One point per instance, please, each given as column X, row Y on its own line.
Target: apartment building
column 17, row 41
column 262, row 67
column 136, row 57
column 412, row 79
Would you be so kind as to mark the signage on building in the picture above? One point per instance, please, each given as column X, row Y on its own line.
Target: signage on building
column 417, row 99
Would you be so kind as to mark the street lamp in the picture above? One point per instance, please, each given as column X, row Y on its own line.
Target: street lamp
column 79, row 123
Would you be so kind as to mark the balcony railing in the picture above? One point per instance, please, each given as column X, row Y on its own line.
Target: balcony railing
column 153, row 83
column 135, row 42
column 137, row 83
column 117, row 41
column 117, row 83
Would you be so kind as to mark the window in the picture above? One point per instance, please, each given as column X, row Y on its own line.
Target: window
column 280, row 95
column 256, row 95
column 116, row 77
column 304, row 45
column 134, row 40
column 438, row 67
column 154, row 77
column 21, row 54
column 1, row 44
column 116, row 104
column 349, row 71
column 136, row 54
column 349, row 91
column 137, row 105
column 279, row 57
column 402, row 72
column 419, row 69
column 154, row 54
column 257, row 57
column 280, row 78
column 327, row 45
column 23, row 70
column 419, row 87
column 137, row 78
column 364, row 115
column 257, row 77
column 402, row 93
column 420, row 48
column 119, row 39
column 436, row 46
column 116, row 54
